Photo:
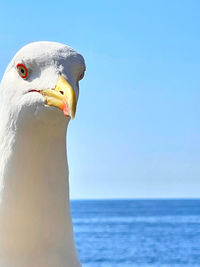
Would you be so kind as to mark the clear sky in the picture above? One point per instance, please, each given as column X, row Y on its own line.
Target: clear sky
column 137, row 130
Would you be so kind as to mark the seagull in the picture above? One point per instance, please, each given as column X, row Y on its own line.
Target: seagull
column 38, row 97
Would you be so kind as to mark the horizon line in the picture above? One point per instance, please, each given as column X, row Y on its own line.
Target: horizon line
column 150, row 198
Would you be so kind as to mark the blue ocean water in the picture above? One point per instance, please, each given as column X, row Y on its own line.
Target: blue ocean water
column 131, row 233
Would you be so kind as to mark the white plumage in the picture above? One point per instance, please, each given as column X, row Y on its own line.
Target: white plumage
column 35, row 220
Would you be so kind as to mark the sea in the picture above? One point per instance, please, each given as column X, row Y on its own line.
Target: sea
column 134, row 233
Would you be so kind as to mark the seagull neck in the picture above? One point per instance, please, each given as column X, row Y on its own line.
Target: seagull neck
column 34, row 211
column 38, row 160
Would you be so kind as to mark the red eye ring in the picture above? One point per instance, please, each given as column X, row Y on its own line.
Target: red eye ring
column 82, row 75
column 22, row 70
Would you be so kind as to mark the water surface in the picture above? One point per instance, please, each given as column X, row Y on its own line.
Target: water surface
column 148, row 233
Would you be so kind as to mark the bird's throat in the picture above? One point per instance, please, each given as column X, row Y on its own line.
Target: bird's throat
column 35, row 220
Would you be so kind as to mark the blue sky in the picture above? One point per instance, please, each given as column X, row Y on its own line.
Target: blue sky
column 137, row 130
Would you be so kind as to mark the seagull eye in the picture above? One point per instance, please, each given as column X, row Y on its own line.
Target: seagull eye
column 82, row 75
column 22, row 70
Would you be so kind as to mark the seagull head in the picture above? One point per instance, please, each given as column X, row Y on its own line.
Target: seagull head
column 41, row 80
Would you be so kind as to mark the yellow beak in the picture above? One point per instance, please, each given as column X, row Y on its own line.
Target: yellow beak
column 62, row 97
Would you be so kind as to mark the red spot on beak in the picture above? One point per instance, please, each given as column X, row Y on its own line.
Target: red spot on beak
column 65, row 109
